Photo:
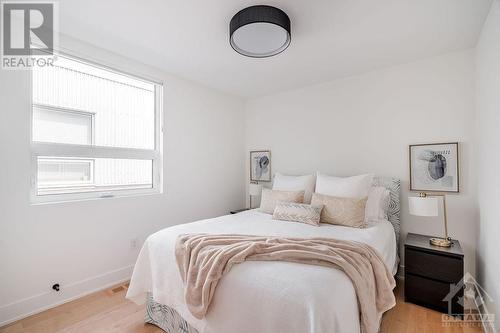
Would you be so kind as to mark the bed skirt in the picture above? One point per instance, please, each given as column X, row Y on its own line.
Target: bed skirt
column 166, row 318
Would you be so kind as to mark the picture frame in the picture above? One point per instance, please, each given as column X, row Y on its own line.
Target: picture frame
column 434, row 167
column 260, row 166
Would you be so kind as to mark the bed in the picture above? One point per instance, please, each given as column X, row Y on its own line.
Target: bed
column 262, row 296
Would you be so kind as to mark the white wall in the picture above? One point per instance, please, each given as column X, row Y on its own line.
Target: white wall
column 488, row 136
column 365, row 123
column 86, row 245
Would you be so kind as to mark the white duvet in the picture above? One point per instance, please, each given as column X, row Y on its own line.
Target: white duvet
column 264, row 297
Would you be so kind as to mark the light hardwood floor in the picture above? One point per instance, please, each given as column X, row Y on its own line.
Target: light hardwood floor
column 108, row 311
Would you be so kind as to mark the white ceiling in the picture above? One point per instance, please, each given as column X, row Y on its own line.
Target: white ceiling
column 330, row 38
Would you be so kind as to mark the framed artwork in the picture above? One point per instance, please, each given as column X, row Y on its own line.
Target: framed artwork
column 260, row 166
column 434, row 167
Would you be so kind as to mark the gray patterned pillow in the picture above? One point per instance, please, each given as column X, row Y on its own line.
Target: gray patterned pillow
column 296, row 212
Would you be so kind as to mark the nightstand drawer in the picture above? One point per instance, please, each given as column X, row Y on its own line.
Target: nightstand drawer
column 439, row 267
column 426, row 292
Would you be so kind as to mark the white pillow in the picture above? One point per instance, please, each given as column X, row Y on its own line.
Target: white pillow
column 295, row 183
column 377, row 204
column 344, row 187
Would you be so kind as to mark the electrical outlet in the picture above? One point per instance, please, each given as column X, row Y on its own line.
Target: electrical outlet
column 134, row 243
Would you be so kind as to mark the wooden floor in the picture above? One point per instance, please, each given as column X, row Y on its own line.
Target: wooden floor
column 109, row 311
column 411, row 318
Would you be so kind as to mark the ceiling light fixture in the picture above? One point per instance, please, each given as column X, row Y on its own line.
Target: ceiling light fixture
column 260, row 31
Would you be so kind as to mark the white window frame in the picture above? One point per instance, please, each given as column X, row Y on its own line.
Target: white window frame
column 44, row 149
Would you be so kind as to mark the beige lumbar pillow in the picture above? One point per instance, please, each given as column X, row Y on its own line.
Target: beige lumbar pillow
column 296, row 212
column 348, row 212
column 270, row 198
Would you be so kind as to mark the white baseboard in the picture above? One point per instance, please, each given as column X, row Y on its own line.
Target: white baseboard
column 34, row 304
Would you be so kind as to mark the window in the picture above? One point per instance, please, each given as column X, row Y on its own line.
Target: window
column 95, row 132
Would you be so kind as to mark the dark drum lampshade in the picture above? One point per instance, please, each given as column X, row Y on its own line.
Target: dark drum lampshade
column 260, row 31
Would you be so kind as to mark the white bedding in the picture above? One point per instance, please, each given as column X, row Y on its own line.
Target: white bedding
column 265, row 297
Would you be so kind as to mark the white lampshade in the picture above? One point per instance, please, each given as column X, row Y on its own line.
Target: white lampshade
column 423, row 206
column 254, row 190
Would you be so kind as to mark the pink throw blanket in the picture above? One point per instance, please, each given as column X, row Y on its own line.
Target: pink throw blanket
column 203, row 259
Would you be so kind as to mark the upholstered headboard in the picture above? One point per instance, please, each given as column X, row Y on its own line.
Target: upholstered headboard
column 394, row 213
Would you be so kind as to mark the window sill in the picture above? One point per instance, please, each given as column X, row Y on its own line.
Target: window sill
column 73, row 198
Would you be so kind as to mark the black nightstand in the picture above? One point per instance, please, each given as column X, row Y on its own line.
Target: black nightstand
column 429, row 271
column 236, row 211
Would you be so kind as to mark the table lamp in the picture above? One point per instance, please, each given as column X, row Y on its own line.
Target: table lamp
column 254, row 190
column 427, row 205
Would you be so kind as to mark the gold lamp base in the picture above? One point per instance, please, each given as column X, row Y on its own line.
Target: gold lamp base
column 443, row 242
